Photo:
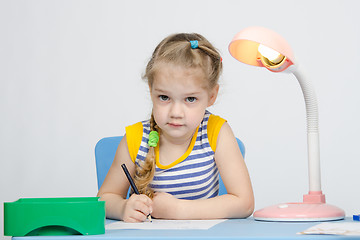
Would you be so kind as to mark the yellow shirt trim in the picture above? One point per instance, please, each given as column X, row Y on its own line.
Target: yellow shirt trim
column 182, row 158
column 133, row 137
column 213, row 129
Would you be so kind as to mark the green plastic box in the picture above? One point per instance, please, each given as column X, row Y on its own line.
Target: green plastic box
column 54, row 216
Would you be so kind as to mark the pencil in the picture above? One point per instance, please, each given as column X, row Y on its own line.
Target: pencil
column 132, row 184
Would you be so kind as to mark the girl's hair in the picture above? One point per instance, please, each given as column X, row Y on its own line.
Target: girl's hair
column 176, row 49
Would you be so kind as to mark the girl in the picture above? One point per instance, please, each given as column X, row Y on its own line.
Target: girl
column 177, row 155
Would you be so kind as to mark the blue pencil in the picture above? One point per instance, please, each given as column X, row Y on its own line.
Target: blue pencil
column 131, row 181
column 132, row 184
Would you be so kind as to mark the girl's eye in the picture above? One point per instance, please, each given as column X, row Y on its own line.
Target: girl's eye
column 191, row 99
column 163, row 98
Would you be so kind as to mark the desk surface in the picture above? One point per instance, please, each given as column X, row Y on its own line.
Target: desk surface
column 231, row 229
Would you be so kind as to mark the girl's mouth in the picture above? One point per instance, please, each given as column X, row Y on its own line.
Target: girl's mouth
column 175, row 125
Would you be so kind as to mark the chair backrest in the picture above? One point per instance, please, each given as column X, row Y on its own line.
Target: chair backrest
column 105, row 151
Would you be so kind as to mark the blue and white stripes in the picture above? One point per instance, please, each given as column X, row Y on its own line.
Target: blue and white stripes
column 196, row 177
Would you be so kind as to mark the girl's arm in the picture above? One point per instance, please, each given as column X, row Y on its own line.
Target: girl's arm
column 115, row 187
column 237, row 203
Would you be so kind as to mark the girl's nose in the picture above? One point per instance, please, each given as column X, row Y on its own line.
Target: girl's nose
column 176, row 110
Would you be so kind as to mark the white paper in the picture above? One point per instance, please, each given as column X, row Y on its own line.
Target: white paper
column 165, row 224
column 344, row 228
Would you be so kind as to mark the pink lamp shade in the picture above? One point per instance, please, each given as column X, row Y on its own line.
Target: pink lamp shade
column 244, row 47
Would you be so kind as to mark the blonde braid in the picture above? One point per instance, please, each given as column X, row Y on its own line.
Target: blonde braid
column 144, row 173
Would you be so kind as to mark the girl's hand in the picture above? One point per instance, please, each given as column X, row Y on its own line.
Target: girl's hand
column 137, row 208
column 165, row 205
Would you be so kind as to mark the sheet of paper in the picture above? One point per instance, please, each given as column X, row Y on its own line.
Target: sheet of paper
column 165, row 224
column 343, row 228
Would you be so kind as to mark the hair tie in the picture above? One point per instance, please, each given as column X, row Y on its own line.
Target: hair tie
column 194, row 44
column 153, row 138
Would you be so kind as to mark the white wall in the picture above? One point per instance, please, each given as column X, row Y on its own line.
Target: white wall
column 70, row 74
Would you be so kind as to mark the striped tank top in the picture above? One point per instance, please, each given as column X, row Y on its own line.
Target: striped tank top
column 195, row 174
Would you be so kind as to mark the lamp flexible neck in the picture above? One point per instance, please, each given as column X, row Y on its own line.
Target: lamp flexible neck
column 311, row 104
column 312, row 129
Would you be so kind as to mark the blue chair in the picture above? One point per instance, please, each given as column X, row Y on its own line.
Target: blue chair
column 105, row 151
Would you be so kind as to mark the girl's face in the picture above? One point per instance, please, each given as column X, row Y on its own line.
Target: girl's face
column 180, row 97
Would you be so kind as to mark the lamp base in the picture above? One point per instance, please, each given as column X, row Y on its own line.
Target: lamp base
column 299, row 212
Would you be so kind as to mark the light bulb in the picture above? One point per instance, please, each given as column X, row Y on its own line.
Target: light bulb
column 269, row 53
column 269, row 57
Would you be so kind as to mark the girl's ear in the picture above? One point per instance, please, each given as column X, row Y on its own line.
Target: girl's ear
column 213, row 95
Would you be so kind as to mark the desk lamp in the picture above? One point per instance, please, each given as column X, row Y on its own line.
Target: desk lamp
column 262, row 47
